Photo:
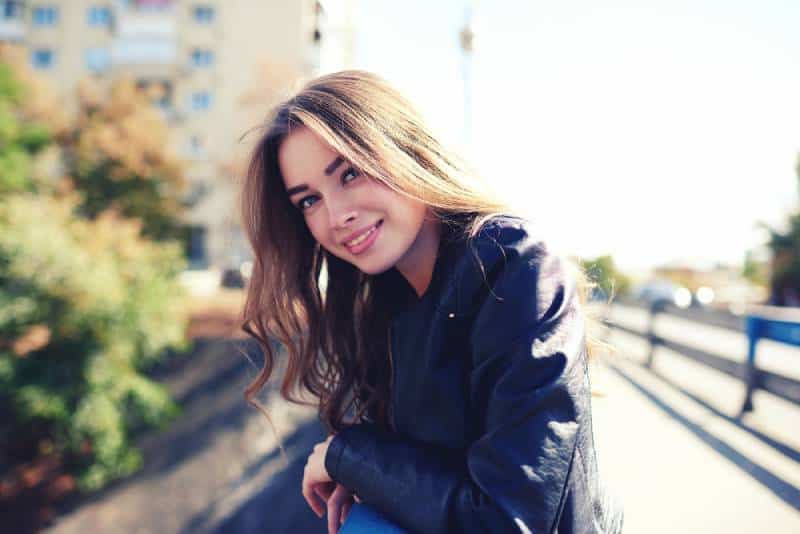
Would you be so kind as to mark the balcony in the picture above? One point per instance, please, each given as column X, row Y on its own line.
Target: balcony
column 12, row 29
column 146, row 33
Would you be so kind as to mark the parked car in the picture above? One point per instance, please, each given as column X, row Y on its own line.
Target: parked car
column 663, row 291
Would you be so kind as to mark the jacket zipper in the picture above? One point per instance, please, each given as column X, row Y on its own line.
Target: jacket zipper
column 389, row 409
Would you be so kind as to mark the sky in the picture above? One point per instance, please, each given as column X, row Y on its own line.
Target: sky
column 660, row 132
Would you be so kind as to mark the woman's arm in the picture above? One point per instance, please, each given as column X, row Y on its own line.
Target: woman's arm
column 528, row 384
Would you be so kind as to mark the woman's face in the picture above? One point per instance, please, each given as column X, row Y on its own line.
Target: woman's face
column 351, row 215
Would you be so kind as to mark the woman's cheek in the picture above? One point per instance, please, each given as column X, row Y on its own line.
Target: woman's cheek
column 315, row 226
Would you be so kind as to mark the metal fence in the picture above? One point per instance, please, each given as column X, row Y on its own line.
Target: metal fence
column 761, row 322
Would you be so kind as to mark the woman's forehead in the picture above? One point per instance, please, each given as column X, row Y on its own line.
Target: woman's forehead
column 304, row 157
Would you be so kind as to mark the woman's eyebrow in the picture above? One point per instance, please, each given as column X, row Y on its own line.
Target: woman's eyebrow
column 328, row 171
column 334, row 165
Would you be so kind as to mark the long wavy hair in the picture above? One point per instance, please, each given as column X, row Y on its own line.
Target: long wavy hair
column 336, row 334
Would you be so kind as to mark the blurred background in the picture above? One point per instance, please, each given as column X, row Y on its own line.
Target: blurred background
column 656, row 142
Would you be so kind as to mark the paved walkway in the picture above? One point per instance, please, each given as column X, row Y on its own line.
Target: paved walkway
column 217, row 469
column 670, row 444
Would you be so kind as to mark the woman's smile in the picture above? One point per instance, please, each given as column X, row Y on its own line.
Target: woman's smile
column 364, row 240
column 353, row 215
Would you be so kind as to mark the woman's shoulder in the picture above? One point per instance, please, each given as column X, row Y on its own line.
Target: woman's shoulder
column 507, row 254
column 502, row 238
column 513, row 279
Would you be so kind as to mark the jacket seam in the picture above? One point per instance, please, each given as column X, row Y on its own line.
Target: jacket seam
column 562, row 500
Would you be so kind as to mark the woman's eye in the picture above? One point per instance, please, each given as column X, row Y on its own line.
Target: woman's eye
column 350, row 172
column 305, row 202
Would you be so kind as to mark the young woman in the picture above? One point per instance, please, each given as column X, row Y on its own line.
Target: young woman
column 445, row 341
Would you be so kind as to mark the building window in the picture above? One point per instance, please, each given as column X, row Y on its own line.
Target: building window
column 202, row 58
column 196, row 247
column 201, row 100
column 11, row 10
column 204, row 14
column 99, row 16
column 196, row 145
column 45, row 16
column 98, row 59
column 42, row 58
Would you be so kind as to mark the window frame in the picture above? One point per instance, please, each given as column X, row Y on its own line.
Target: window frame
column 201, row 100
column 45, row 15
column 36, row 55
column 98, row 16
column 202, row 57
column 11, row 10
column 203, row 14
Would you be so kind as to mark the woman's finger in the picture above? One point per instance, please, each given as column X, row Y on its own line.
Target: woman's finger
column 309, row 495
column 337, row 499
column 346, row 510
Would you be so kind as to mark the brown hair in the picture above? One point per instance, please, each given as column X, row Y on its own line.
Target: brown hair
column 335, row 336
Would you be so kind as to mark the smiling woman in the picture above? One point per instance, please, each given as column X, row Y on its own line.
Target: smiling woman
column 447, row 350
column 354, row 216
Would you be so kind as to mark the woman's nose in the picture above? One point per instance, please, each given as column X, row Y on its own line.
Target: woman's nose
column 341, row 215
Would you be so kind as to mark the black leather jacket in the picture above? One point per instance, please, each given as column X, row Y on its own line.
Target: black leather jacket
column 490, row 401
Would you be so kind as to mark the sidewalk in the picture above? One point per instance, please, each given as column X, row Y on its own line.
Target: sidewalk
column 666, row 446
column 202, row 473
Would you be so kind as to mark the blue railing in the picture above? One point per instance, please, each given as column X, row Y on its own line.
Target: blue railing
column 364, row 519
column 764, row 323
column 777, row 330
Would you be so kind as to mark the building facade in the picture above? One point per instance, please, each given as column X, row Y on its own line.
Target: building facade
column 215, row 67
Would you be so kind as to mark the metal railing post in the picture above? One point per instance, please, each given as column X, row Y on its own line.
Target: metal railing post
column 752, row 327
column 655, row 308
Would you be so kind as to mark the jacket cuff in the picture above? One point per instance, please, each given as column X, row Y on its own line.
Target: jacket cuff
column 347, row 454
column 334, row 455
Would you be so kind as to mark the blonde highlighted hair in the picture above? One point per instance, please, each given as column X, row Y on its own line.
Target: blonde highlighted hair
column 335, row 337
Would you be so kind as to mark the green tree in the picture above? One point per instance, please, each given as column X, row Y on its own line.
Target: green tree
column 785, row 247
column 87, row 303
column 754, row 271
column 608, row 279
column 20, row 140
column 116, row 153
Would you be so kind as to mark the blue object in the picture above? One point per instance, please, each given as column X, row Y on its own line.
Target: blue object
column 364, row 519
column 763, row 328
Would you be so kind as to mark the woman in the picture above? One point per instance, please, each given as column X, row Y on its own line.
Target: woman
column 447, row 350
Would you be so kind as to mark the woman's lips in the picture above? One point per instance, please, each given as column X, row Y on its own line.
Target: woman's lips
column 366, row 239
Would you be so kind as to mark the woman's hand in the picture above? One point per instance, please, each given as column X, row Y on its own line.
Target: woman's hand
column 339, row 504
column 317, row 482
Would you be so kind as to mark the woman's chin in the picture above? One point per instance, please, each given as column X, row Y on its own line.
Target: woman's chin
column 373, row 266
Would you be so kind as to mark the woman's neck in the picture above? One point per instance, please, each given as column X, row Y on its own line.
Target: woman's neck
column 417, row 266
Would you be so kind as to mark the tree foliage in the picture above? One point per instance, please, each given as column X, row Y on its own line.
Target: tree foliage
column 785, row 247
column 116, row 155
column 20, row 140
column 88, row 300
column 608, row 279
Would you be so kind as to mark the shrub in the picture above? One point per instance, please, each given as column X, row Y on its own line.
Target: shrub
column 85, row 306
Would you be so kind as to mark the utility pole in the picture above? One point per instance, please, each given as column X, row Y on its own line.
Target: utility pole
column 467, row 41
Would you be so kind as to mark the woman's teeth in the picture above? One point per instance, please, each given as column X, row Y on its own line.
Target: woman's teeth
column 362, row 237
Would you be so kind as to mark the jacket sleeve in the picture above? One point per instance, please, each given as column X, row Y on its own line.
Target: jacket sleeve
column 528, row 373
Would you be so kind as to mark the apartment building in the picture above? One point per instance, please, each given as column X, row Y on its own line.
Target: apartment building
column 216, row 67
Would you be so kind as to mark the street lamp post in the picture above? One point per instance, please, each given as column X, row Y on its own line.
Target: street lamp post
column 467, row 42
